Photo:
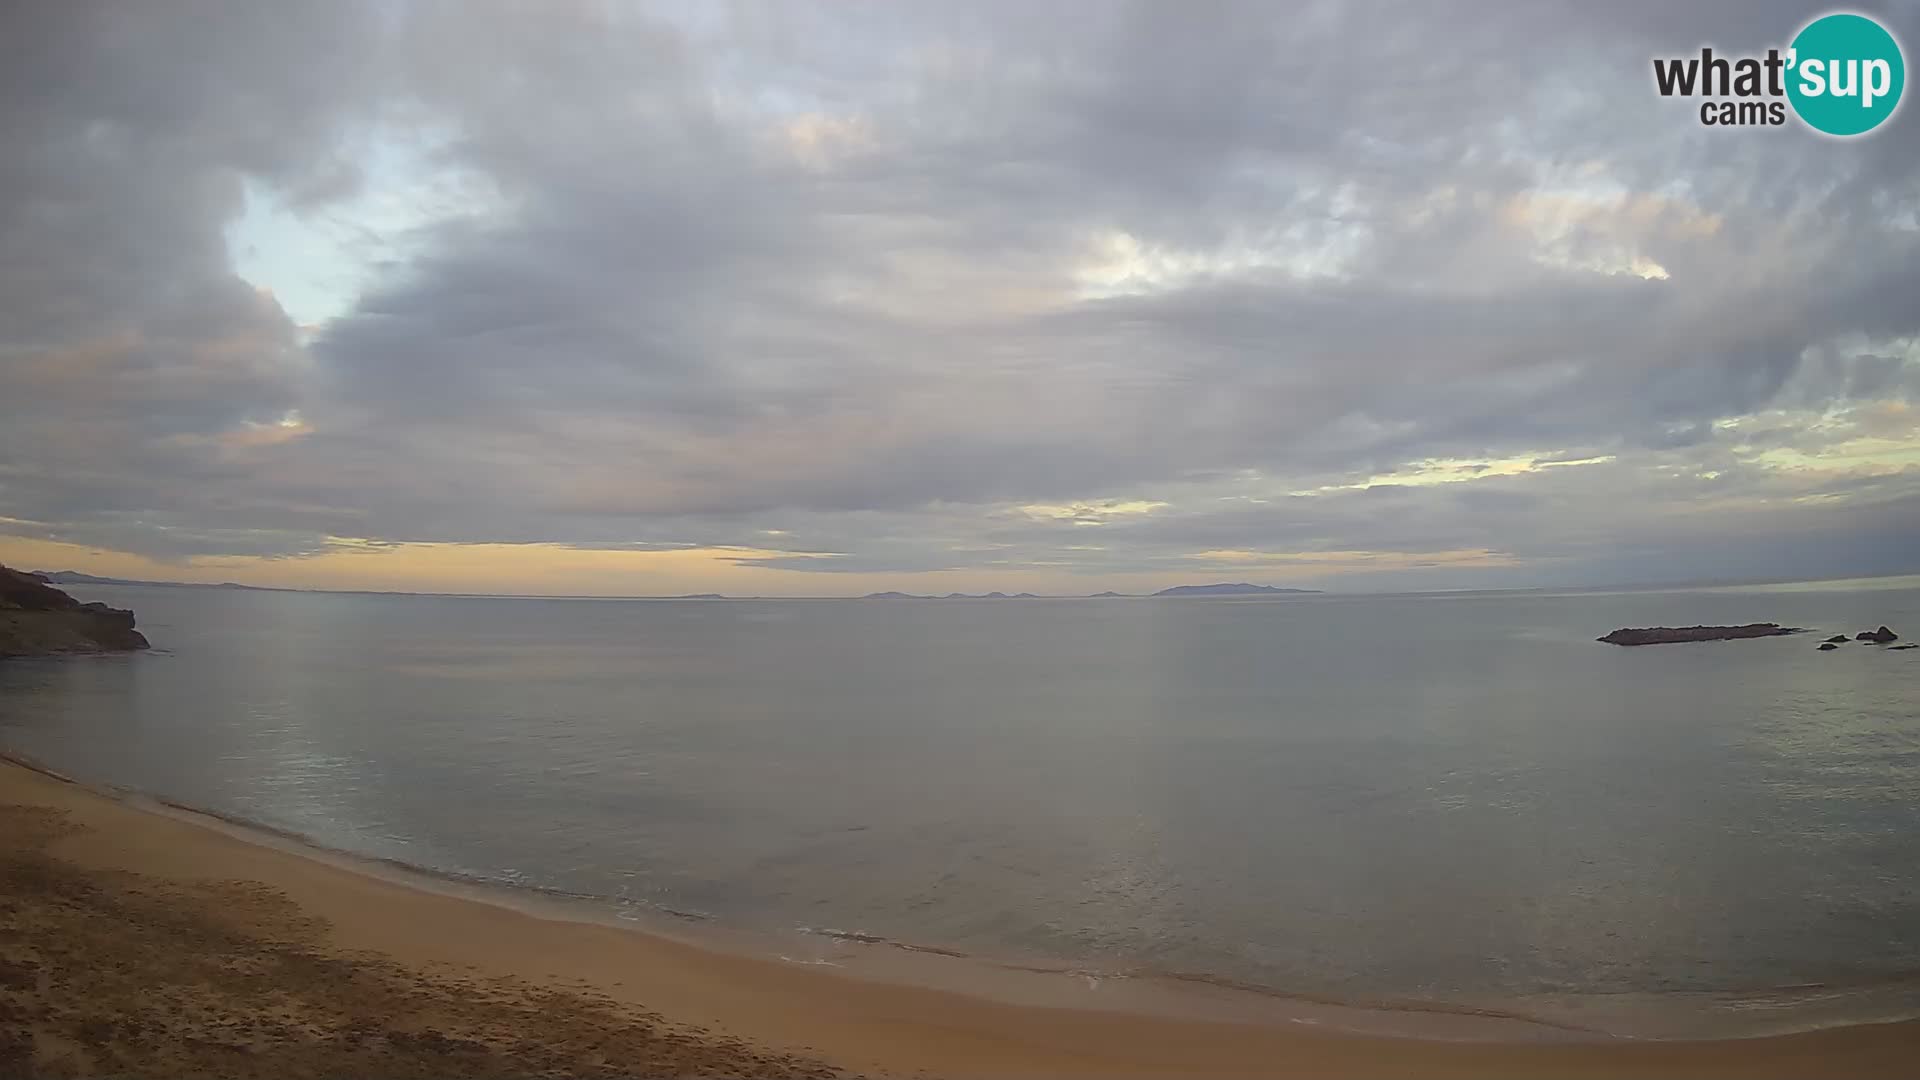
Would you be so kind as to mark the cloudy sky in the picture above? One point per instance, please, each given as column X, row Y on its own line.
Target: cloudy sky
column 809, row 300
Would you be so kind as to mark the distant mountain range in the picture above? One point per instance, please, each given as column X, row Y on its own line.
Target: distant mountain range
column 1240, row 588
column 75, row 577
column 951, row 596
column 1221, row 589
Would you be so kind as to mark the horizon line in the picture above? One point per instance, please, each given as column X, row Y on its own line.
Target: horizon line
column 891, row 594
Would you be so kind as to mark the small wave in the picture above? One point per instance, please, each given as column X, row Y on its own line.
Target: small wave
column 875, row 939
column 627, row 904
column 1404, row 1005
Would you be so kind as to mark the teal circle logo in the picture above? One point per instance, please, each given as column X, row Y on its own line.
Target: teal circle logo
column 1845, row 74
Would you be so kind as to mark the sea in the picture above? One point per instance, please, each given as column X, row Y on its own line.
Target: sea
column 1453, row 800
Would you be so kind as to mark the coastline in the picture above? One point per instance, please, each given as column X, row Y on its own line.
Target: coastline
column 891, row 1013
column 1051, row 982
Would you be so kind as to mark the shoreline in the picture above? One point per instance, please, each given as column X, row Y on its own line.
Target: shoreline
column 885, row 961
column 892, row 1012
column 1721, row 1014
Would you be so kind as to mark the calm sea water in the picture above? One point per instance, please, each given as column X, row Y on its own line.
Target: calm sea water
column 1441, row 797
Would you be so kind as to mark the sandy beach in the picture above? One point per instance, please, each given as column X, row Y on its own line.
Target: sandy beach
column 143, row 941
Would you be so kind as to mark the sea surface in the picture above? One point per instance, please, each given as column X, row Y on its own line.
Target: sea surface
column 1456, row 798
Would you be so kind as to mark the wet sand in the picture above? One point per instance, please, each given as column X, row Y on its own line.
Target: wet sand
column 136, row 942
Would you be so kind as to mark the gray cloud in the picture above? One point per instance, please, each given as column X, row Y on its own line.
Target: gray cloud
column 820, row 280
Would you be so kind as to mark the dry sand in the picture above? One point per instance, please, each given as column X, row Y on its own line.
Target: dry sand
column 141, row 943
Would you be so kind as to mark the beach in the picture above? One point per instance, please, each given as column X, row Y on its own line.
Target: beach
column 139, row 940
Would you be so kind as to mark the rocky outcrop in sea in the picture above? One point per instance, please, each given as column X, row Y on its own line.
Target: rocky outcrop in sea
column 1668, row 635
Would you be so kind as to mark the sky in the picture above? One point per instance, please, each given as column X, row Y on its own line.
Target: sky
column 790, row 299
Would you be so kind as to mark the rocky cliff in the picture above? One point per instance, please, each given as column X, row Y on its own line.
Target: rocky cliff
column 37, row 619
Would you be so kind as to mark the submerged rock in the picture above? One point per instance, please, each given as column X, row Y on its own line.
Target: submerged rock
column 1908, row 645
column 37, row 619
column 1838, row 639
column 1828, row 646
column 1668, row 635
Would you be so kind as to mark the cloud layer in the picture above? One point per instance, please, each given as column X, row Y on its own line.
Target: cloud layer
column 1390, row 296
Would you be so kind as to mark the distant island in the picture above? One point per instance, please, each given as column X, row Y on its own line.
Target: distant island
column 1221, row 589
column 75, row 577
column 1239, row 588
column 951, row 596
